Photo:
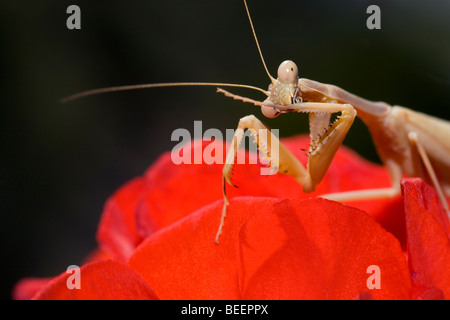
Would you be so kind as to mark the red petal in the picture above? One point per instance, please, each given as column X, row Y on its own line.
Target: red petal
column 427, row 229
column 319, row 249
column 104, row 280
column 27, row 288
column 117, row 232
column 424, row 293
column 365, row 295
column 182, row 261
column 388, row 212
column 287, row 249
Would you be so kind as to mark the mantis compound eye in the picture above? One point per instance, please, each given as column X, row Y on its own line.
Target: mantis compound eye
column 288, row 72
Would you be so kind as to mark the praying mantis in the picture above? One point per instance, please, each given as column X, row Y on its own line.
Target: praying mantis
column 408, row 142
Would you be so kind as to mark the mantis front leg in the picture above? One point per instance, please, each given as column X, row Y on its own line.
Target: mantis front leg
column 325, row 141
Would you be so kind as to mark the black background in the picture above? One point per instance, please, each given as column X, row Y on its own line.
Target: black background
column 60, row 162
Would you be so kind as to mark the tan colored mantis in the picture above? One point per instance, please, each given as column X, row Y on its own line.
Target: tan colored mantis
column 408, row 142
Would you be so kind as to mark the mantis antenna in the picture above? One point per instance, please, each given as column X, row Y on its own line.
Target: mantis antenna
column 257, row 43
column 156, row 85
column 176, row 84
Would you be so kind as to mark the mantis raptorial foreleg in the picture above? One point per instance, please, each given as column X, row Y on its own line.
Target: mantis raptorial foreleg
column 280, row 159
column 325, row 140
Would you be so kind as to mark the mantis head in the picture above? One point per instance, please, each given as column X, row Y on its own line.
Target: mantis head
column 284, row 90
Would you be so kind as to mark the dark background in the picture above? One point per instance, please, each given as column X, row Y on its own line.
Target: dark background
column 60, row 162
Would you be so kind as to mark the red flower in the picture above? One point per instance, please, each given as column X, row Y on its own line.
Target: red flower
column 278, row 243
column 428, row 232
